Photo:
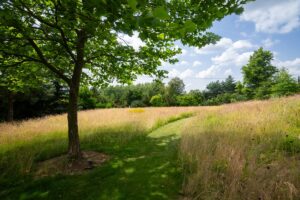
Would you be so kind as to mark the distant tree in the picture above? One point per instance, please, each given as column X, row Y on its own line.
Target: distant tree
column 229, row 85
column 19, row 79
column 174, row 88
column 157, row 100
column 258, row 71
column 284, row 84
column 197, row 95
column 187, row 100
column 87, row 98
column 239, row 88
column 213, row 89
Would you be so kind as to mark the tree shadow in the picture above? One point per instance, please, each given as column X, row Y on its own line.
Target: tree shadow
column 141, row 168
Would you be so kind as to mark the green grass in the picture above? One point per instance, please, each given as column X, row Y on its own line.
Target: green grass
column 142, row 166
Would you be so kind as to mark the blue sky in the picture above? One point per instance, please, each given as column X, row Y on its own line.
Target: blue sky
column 272, row 24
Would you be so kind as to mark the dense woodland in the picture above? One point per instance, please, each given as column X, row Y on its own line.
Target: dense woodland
column 261, row 80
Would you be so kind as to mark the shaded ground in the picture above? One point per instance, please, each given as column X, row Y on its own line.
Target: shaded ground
column 61, row 164
column 145, row 167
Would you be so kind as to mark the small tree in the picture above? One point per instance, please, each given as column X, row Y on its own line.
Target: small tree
column 284, row 84
column 157, row 100
column 229, row 85
column 213, row 89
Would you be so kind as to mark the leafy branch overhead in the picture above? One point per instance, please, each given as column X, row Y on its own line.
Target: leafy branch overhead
column 47, row 32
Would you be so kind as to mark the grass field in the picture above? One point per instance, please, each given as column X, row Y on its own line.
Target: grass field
column 240, row 151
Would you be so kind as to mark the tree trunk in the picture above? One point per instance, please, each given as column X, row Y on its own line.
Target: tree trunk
column 10, row 113
column 74, row 143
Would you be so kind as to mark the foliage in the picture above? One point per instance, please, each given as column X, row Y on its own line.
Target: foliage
column 175, row 88
column 157, row 100
column 284, row 84
column 258, row 71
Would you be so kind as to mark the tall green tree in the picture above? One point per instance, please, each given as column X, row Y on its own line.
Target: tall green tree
column 284, row 84
column 213, row 89
column 67, row 36
column 229, row 85
column 174, row 88
column 258, row 71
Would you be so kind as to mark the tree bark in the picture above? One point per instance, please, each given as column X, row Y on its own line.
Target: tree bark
column 74, row 150
column 10, row 113
column 74, row 143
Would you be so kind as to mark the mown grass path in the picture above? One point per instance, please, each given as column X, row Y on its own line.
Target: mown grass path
column 146, row 167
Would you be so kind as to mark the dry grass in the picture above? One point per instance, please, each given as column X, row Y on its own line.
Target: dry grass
column 244, row 151
column 90, row 121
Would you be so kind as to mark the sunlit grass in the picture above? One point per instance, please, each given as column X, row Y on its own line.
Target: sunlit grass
column 90, row 121
column 244, row 151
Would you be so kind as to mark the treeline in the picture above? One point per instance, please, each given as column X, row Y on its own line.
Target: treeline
column 261, row 80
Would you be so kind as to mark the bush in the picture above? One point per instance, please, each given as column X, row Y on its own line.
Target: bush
column 157, row 100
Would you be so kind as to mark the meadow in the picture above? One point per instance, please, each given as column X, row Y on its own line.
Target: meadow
column 244, row 150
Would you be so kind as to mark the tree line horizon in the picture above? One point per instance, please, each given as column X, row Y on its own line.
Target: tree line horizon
column 275, row 83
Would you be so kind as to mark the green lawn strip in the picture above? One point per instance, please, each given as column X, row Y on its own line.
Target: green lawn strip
column 144, row 167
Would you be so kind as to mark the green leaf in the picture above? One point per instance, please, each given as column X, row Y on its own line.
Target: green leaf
column 160, row 13
column 132, row 4
column 190, row 26
column 161, row 36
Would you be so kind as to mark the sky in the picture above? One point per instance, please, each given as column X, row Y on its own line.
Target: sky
column 271, row 24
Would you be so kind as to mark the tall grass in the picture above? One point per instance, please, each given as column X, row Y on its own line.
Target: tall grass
column 23, row 144
column 91, row 121
column 244, row 151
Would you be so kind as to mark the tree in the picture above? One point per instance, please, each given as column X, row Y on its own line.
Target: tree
column 284, row 84
column 19, row 79
column 187, row 100
column 229, row 85
column 213, row 89
column 82, row 40
column 175, row 88
column 258, row 71
column 157, row 100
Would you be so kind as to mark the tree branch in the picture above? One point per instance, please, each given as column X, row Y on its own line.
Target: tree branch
column 46, row 63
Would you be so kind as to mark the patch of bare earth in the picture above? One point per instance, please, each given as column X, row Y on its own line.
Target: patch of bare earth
column 63, row 165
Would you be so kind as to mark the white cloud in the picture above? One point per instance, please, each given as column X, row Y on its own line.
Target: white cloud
column 242, row 44
column 133, row 40
column 183, row 75
column 228, row 72
column 269, row 42
column 197, row 63
column 173, row 73
column 143, row 79
column 209, row 73
column 232, row 57
column 273, row 16
column 184, row 62
column 213, row 48
column 186, row 74
column 292, row 65
column 237, row 53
